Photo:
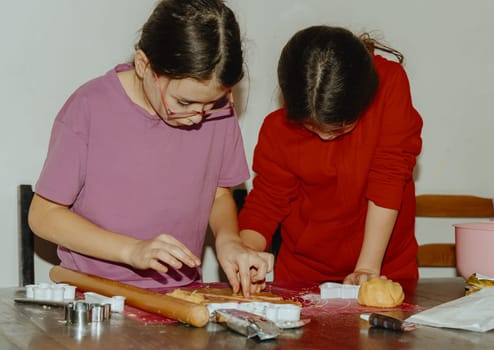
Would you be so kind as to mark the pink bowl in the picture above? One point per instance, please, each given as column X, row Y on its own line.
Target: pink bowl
column 475, row 248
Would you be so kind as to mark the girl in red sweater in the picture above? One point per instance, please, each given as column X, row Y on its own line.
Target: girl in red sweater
column 334, row 166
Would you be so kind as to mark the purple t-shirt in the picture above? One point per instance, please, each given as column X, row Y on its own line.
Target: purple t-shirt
column 129, row 172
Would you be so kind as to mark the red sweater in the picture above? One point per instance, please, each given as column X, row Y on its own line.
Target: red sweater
column 319, row 190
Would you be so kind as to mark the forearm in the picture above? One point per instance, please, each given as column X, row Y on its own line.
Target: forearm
column 223, row 218
column 378, row 228
column 58, row 224
column 253, row 240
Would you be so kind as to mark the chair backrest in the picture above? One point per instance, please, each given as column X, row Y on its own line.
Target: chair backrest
column 239, row 195
column 448, row 206
column 30, row 244
column 26, row 236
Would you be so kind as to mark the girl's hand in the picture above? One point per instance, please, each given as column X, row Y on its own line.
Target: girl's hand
column 360, row 276
column 160, row 252
column 245, row 268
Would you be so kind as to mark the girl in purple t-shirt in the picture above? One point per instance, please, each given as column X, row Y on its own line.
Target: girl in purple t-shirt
column 141, row 159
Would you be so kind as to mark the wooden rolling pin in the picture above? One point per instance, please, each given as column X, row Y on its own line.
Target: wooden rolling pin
column 177, row 309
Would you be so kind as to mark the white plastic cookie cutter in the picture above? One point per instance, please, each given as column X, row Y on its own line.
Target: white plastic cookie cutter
column 332, row 290
column 50, row 292
column 117, row 302
column 272, row 312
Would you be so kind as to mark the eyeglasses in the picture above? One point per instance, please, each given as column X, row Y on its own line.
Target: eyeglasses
column 224, row 104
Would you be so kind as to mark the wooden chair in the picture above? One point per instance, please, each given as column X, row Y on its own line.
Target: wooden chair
column 448, row 206
column 29, row 244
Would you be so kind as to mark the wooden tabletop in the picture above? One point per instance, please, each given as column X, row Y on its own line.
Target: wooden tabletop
column 25, row 326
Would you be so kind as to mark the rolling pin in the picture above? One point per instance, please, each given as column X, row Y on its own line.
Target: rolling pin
column 174, row 308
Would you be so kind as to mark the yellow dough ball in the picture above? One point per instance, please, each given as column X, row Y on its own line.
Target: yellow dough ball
column 380, row 292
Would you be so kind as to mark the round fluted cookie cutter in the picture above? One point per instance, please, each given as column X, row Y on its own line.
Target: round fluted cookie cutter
column 99, row 312
column 77, row 313
column 80, row 312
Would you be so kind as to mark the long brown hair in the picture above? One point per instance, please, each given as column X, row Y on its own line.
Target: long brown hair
column 327, row 76
column 197, row 39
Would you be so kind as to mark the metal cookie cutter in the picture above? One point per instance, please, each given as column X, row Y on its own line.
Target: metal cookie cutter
column 81, row 312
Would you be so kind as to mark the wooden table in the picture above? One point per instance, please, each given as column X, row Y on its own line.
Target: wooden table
column 35, row 327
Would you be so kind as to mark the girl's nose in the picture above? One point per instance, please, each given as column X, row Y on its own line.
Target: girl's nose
column 196, row 119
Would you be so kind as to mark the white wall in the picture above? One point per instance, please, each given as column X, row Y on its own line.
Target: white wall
column 50, row 47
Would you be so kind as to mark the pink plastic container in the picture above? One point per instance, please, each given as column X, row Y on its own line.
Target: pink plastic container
column 475, row 248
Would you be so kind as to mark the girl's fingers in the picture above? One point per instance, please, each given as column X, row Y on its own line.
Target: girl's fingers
column 178, row 251
column 232, row 277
